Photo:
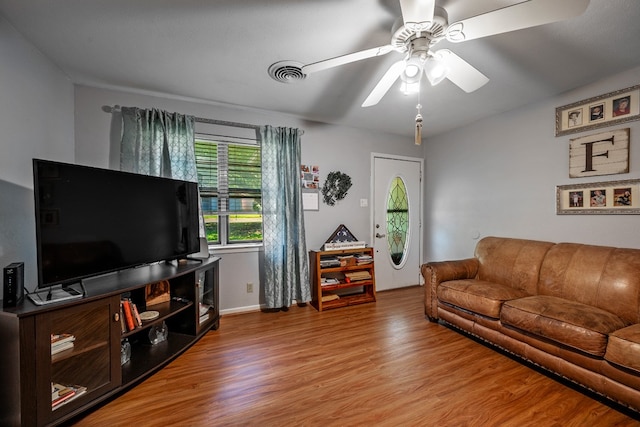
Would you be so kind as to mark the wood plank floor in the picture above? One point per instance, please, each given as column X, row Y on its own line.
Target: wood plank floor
column 377, row 364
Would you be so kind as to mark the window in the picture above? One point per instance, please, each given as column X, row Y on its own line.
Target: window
column 229, row 177
column 397, row 220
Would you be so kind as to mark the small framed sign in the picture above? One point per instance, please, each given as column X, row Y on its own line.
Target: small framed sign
column 605, row 153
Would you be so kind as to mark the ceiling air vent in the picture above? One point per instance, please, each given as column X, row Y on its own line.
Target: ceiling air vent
column 286, row 71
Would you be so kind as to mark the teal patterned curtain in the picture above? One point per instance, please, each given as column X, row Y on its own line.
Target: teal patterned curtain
column 285, row 265
column 159, row 143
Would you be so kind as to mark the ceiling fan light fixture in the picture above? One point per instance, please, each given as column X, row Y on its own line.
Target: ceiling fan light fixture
column 413, row 67
column 409, row 88
column 411, row 75
column 412, row 70
column 436, row 69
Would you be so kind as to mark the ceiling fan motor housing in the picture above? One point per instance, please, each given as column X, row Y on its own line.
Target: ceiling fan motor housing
column 403, row 37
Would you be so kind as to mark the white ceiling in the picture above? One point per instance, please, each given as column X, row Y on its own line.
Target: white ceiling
column 220, row 50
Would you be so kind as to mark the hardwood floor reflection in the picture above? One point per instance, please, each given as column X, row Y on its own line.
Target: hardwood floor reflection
column 377, row 364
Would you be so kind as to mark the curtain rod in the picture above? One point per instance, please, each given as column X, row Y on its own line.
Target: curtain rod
column 225, row 123
column 116, row 109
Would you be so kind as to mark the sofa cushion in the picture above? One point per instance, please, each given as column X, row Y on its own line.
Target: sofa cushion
column 599, row 276
column 624, row 347
column 478, row 296
column 512, row 262
column 570, row 323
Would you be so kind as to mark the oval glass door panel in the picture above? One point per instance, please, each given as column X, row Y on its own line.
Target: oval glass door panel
column 397, row 220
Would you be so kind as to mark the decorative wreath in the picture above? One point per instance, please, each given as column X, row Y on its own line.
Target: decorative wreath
column 335, row 187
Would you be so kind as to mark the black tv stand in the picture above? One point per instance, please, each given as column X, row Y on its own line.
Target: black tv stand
column 91, row 361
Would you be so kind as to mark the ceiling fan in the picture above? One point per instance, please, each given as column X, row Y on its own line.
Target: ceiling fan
column 424, row 25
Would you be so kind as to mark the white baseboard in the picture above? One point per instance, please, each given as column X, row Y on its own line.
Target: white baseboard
column 240, row 310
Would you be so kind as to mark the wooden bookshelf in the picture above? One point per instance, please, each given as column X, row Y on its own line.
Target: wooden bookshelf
column 331, row 282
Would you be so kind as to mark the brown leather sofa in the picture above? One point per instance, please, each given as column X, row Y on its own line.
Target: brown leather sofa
column 570, row 308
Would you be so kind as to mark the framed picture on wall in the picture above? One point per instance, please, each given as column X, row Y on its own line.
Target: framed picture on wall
column 610, row 197
column 310, row 179
column 612, row 108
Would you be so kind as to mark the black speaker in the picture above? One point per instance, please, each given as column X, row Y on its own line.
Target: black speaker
column 13, row 291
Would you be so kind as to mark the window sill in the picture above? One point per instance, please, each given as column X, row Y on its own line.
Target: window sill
column 231, row 249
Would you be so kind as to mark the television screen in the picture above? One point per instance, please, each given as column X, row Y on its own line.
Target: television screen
column 91, row 221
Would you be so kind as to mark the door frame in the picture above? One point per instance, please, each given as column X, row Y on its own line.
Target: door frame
column 372, row 199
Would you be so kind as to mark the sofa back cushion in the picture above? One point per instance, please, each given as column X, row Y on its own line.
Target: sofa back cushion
column 512, row 262
column 600, row 276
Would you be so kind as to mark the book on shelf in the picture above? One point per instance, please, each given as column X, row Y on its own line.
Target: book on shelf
column 329, row 281
column 332, row 278
column 62, row 347
column 136, row 314
column 347, row 260
column 123, row 322
column 362, row 259
column 62, row 394
column 329, row 262
column 128, row 314
column 61, row 342
column 57, row 339
column 61, row 399
column 358, row 275
column 203, row 311
column 330, row 297
column 57, row 390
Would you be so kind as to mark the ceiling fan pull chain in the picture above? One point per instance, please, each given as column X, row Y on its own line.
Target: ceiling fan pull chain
column 419, row 123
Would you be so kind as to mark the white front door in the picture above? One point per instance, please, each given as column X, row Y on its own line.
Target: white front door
column 397, row 220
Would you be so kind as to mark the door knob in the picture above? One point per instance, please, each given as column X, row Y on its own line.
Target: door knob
column 380, row 236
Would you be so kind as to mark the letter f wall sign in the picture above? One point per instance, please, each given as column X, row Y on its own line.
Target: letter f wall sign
column 605, row 153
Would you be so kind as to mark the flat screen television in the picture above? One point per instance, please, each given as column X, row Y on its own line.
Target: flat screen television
column 91, row 221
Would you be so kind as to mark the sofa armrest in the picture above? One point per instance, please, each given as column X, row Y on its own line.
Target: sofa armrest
column 435, row 273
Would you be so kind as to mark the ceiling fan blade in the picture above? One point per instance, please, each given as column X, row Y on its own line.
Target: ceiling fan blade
column 345, row 59
column 527, row 14
column 461, row 73
column 417, row 14
column 384, row 84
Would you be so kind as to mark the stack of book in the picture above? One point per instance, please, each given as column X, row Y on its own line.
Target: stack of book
column 329, row 281
column 347, row 260
column 362, row 259
column 332, row 278
column 358, row 275
column 62, row 394
column 204, row 312
column 61, row 342
column 129, row 316
column 329, row 262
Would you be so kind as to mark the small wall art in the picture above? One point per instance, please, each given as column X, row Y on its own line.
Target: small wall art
column 612, row 108
column 310, row 183
column 610, row 197
column 605, row 153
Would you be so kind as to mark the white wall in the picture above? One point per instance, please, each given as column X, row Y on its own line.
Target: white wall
column 498, row 177
column 36, row 120
column 331, row 147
